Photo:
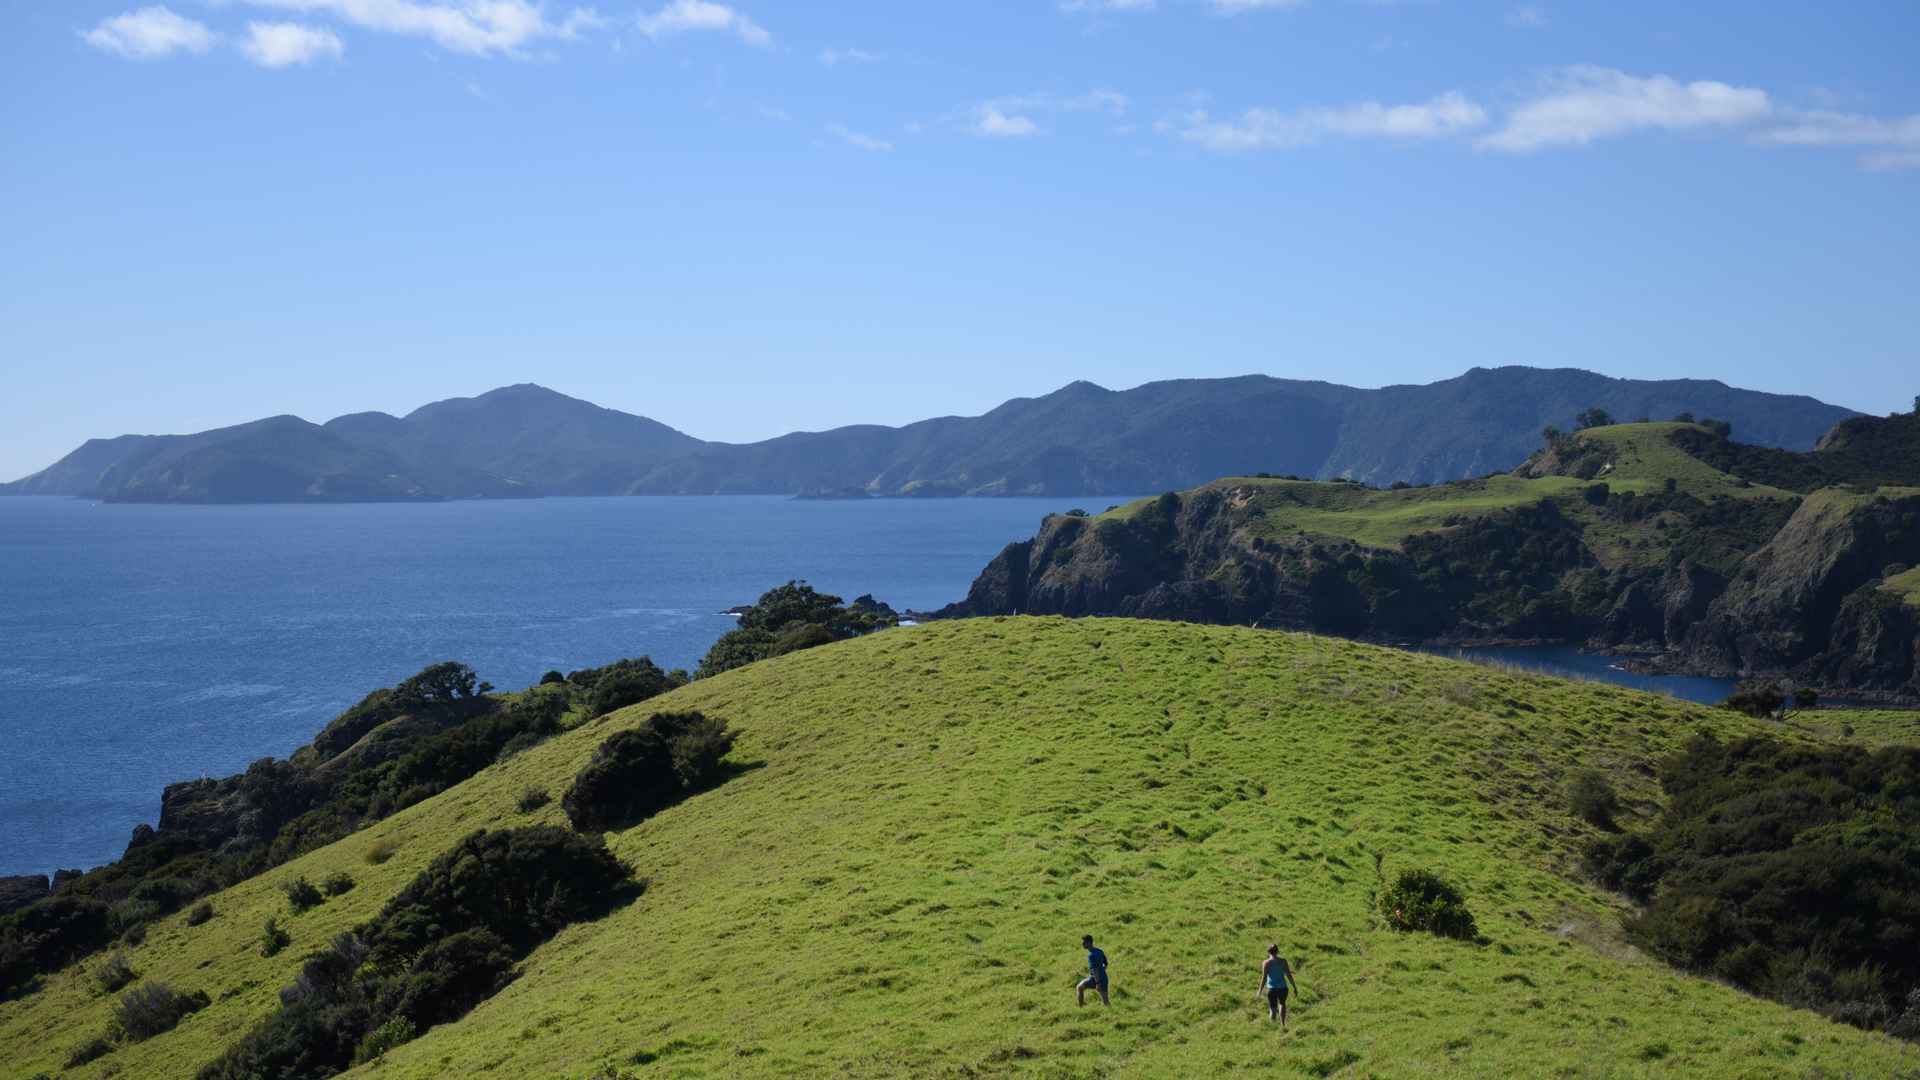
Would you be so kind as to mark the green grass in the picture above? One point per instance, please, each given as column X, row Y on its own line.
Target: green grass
column 944, row 810
column 1905, row 585
column 1641, row 461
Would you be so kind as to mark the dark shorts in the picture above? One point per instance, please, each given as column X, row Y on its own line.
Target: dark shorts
column 1094, row 982
column 1276, row 995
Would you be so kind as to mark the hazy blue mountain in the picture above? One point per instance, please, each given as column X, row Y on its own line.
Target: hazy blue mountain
column 1080, row 439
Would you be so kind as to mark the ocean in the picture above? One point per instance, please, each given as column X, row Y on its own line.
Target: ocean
column 144, row 645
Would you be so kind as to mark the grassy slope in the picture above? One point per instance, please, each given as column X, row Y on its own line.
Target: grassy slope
column 1643, row 460
column 1907, row 585
column 945, row 809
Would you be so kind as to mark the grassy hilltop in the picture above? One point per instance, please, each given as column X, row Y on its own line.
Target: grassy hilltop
column 940, row 812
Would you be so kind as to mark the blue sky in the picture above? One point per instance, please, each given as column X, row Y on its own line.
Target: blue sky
column 743, row 219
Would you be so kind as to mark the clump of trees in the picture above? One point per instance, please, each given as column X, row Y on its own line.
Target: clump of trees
column 1770, row 701
column 789, row 618
column 1420, row 900
column 635, row 774
column 447, row 942
column 1791, row 871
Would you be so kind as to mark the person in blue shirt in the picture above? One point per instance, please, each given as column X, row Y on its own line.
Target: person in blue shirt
column 1096, row 973
column 1275, row 975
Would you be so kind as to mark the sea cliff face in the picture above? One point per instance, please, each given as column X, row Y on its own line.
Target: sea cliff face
column 1697, row 571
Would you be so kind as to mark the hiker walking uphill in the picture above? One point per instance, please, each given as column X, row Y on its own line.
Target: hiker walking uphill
column 1096, row 973
column 1275, row 976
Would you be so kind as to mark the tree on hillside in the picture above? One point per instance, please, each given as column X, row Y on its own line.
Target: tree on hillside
column 1592, row 418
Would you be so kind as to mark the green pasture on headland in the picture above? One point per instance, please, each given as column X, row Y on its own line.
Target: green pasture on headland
column 938, row 813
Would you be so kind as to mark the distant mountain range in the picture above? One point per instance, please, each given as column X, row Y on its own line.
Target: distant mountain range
column 1082, row 439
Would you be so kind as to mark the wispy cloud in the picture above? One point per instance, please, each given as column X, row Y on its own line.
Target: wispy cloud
column 1586, row 102
column 858, row 140
column 1012, row 115
column 1242, row 7
column 832, row 57
column 1528, row 16
column 692, row 16
column 476, row 27
column 1897, row 141
column 283, row 44
column 991, row 122
column 1106, row 5
column 1275, row 129
column 149, row 33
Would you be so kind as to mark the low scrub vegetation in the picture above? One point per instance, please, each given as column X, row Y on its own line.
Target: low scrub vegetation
column 790, row 618
column 1424, row 901
column 635, row 774
column 447, row 942
column 1790, row 871
column 154, row 1008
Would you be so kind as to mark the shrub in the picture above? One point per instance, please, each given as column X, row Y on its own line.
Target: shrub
column 381, row 851
column 533, row 798
column 637, row 773
column 201, row 912
column 1760, row 702
column 521, row 884
column 115, row 973
column 628, row 682
column 388, row 1035
column 153, row 1008
column 1592, row 799
column 1420, row 900
column 520, row 743
column 1790, row 871
column 273, row 937
column 301, row 895
column 135, row 936
column 444, row 944
column 92, row 1050
column 551, row 678
column 338, row 883
column 698, row 751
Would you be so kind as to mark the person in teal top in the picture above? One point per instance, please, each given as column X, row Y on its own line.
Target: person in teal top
column 1275, row 976
column 1096, row 973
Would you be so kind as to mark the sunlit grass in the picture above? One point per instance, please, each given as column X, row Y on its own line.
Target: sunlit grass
column 944, row 810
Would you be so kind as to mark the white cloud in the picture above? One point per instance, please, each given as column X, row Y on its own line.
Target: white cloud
column 1898, row 139
column 1586, row 103
column 281, row 44
column 831, row 57
column 1531, row 16
column 1268, row 129
column 478, row 27
column 990, row 121
column 1822, row 128
column 1891, row 160
column 683, row 16
column 1241, row 7
column 147, row 33
column 856, row 139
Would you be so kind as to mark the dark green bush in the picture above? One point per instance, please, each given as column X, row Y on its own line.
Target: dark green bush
column 92, row 1050
column 273, row 937
column 1790, row 871
column 551, row 678
column 302, row 895
column 1592, row 799
column 791, row 617
column 114, row 973
column 393, row 1033
column 338, row 883
column 1760, row 702
column 627, row 683
column 201, row 912
column 153, row 1008
column 635, row 774
column 448, row 941
column 1420, row 900
column 533, row 798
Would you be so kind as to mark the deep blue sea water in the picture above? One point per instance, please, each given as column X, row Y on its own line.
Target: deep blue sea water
column 142, row 645
column 1572, row 663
